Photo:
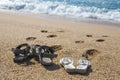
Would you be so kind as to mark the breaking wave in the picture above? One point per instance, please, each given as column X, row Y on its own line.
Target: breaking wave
column 103, row 9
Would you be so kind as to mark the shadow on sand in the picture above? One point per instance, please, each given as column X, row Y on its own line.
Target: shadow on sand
column 89, row 70
column 26, row 62
column 52, row 67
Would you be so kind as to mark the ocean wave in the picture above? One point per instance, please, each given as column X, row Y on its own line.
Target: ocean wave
column 61, row 8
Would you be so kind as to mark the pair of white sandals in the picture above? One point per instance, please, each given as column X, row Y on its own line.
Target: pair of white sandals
column 82, row 67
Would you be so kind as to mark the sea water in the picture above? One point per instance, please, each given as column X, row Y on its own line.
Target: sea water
column 92, row 9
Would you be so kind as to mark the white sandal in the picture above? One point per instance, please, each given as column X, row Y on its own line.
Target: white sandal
column 83, row 65
column 67, row 63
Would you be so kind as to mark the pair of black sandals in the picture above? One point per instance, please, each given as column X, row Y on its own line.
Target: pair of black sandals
column 43, row 54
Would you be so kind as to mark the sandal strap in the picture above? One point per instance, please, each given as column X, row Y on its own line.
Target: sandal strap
column 43, row 51
column 47, row 52
column 18, row 49
column 49, row 55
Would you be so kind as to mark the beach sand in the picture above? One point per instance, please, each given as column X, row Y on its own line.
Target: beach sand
column 75, row 39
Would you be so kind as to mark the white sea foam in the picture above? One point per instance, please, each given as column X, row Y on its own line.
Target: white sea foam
column 60, row 8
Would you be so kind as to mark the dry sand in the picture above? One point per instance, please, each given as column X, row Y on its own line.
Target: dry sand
column 14, row 29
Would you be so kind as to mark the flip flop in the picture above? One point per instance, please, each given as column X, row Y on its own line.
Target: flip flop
column 20, row 54
column 67, row 63
column 83, row 65
column 44, row 54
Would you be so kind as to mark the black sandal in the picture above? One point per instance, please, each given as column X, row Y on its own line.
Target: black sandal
column 44, row 54
column 21, row 54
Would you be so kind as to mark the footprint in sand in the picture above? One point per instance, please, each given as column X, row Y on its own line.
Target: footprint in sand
column 88, row 35
column 100, row 40
column 56, row 47
column 105, row 36
column 80, row 41
column 30, row 38
column 60, row 31
column 44, row 31
column 91, row 53
column 51, row 36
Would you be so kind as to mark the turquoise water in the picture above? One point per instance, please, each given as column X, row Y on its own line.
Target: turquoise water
column 108, row 4
column 93, row 9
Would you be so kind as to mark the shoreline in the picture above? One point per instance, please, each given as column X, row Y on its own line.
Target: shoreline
column 64, row 18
